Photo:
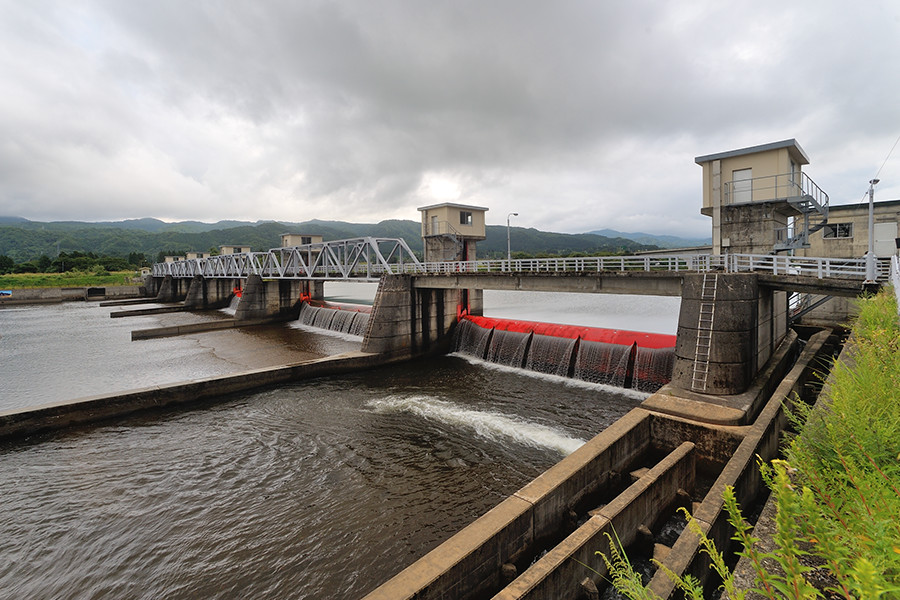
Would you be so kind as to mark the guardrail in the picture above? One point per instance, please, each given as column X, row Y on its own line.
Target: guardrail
column 731, row 263
column 357, row 260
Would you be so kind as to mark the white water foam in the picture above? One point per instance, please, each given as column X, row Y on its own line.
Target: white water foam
column 490, row 425
column 567, row 381
column 321, row 331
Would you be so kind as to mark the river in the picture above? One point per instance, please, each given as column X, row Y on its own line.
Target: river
column 321, row 489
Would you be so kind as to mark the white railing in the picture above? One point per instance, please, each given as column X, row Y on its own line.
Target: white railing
column 774, row 187
column 351, row 259
column 731, row 263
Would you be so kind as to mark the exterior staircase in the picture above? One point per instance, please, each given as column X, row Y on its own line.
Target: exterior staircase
column 812, row 208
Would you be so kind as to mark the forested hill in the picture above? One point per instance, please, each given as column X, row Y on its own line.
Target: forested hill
column 24, row 240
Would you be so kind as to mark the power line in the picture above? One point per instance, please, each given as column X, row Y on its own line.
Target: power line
column 887, row 157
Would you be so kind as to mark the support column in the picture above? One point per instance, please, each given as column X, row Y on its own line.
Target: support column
column 731, row 362
column 406, row 320
column 167, row 290
column 269, row 299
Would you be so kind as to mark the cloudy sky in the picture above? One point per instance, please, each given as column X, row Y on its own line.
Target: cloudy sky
column 578, row 115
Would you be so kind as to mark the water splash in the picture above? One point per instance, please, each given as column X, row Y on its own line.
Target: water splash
column 231, row 309
column 487, row 424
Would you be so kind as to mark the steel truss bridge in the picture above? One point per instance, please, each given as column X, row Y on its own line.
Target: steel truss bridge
column 368, row 258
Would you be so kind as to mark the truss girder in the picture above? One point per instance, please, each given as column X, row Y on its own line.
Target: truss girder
column 364, row 258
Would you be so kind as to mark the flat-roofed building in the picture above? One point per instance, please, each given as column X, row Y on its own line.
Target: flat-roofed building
column 760, row 200
column 229, row 249
column 450, row 231
column 299, row 239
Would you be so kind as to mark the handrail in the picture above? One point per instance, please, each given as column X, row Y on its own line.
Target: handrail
column 774, row 187
column 363, row 260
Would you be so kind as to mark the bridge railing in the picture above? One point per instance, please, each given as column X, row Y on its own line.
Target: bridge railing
column 731, row 263
column 367, row 259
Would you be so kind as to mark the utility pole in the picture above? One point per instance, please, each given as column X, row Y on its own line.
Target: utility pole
column 870, row 255
column 508, row 251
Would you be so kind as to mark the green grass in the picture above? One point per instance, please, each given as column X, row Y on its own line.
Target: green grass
column 70, row 279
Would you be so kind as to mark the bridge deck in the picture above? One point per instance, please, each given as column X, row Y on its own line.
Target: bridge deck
column 367, row 259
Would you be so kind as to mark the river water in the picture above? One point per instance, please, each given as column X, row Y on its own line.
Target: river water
column 320, row 489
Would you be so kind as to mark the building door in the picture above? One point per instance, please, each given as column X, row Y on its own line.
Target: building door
column 741, row 186
column 434, row 225
column 885, row 234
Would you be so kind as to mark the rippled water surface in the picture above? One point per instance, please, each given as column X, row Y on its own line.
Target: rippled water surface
column 315, row 490
column 321, row 489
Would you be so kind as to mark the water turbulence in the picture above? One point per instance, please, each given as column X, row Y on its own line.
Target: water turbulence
column 653, row 368
column 350, row 322
column 487, row 424
column 550, row 355
column 599, row 362
column 472, row 339
column 508, row 348
column 231, row 309
column 626, row 359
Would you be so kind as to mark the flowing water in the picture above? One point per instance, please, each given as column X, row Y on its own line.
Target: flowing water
column 320, row 489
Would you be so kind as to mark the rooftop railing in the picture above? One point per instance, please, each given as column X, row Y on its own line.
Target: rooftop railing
column 774, row 187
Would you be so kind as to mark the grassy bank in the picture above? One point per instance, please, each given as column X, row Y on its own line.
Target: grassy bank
column 69, row 279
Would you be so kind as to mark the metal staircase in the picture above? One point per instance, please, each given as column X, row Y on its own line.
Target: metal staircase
column 705, row 320
column 813, row 217
column 812, row 205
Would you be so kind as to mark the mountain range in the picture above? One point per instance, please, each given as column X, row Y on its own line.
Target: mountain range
column 25, row 240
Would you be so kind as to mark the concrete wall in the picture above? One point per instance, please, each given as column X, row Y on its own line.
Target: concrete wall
column 210, row 293
column 407, row 320
column 857, row 215
column 279, row 298
column 172, row 289
column 733, row 337
column 751, row 228
column 51, row 295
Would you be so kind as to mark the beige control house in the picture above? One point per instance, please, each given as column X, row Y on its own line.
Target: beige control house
column 450, row 231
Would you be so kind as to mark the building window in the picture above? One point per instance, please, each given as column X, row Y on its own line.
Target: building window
column 305, row 239
column 838, row 230
column 465, row 217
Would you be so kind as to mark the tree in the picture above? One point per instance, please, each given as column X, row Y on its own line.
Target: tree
column 44, row 263
column 7, row 265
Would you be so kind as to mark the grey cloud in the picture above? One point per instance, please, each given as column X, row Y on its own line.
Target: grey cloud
column 279, row 109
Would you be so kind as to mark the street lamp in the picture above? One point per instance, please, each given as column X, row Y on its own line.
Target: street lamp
column 508, row 252
column 870, row 255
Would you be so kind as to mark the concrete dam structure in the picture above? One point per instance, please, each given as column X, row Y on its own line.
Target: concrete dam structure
column 679, row 448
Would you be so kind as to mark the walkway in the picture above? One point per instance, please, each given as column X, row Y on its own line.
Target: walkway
column 366, row 259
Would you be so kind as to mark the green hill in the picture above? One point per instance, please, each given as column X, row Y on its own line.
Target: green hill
column 24, row 240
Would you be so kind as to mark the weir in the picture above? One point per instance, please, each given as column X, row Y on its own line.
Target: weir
column 570, row 351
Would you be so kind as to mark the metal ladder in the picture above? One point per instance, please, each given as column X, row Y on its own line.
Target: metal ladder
column 704, row 332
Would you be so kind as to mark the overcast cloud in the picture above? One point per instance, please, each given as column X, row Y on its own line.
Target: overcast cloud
column 578, row 115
